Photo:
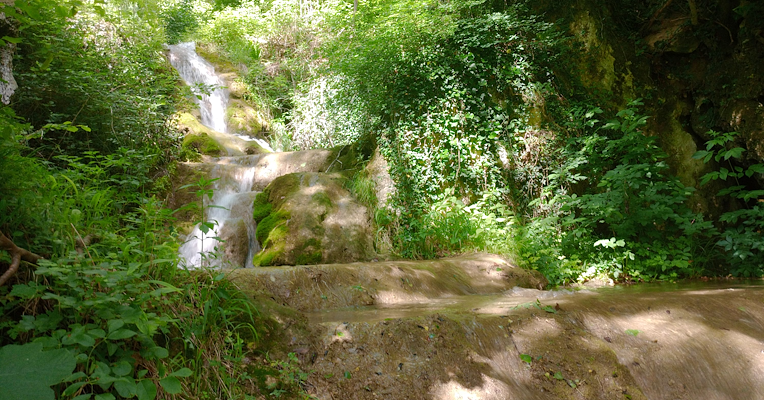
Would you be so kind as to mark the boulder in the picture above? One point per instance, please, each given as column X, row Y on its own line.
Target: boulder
column 310, row 218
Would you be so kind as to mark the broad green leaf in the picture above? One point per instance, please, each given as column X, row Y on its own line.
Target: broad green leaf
column 159, row 352
column 105, row 396
column 182, row 373
column 122, row 368
column 526, row 358
column 126, row 387
column 12, row 39
column 146, row 390
column 27, row 372
column 121, row 334
column 115, row 324
column 632, row 332
column 171, row 385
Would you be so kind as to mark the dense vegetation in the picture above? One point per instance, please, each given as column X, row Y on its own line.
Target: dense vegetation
column 86, row 149
column 493, row 143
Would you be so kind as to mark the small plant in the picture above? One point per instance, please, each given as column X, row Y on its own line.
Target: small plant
column 204, row 190
column 291, row 378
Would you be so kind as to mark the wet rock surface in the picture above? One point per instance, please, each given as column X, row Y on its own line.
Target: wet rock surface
column 650, row 342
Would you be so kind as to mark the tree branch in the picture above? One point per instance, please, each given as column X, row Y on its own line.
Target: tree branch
column 17, row 254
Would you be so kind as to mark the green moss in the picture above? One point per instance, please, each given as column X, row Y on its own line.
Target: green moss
column 282, row 188
column 311, row 253
column 265, row 258
column 203, row 144
column 261, row 207
column 254, row 148
column 322, row 199
column 314, row 257
column 266, row 227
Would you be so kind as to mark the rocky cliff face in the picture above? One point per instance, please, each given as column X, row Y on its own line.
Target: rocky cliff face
column 697, row 65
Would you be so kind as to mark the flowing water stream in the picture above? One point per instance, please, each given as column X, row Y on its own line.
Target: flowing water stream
column 231, row 204
column 462, row 328
column 238, row 177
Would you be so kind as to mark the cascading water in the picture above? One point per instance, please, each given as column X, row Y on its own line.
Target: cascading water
column 212, row 96
column 231, row 204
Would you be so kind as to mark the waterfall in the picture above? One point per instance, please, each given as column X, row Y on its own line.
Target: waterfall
column 210, row 91
column 231, row 204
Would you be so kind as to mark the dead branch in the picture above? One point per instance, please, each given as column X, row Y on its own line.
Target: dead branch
column 17, row 254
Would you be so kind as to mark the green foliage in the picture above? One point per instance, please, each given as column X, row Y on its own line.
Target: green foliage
column 290, row 380
column 449, row 86
column 179, row 21
column 741, row 238
column 27, row 372
column 629, row 219
column 97, row 67
column 77, row 170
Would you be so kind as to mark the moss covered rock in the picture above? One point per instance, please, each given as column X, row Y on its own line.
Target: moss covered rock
column 203, row 144
column 309, row 218
column 243, row 118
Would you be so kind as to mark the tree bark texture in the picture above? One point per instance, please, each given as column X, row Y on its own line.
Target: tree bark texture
column 17, row 254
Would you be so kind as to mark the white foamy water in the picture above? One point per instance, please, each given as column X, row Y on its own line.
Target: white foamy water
column 231, row 204
column 196, row 71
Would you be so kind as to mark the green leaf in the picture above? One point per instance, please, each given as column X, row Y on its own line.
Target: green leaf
column 700, row 154
column 115, row 324
column 24, row 291
column 146, row 390
column 27, row 372
column 122, row 368
column 526, row 358
column 12, row 39
column 558, row 376
column 171, row 385
column 121, row 334
column 632, row 332
column 182, row 373
column 126, row 387
column 734, row 153
column 159, row 352
column 105, row 396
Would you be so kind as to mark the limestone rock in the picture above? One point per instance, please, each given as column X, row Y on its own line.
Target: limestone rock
column 235, row 242
column 379, row 173
column 310, row 218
